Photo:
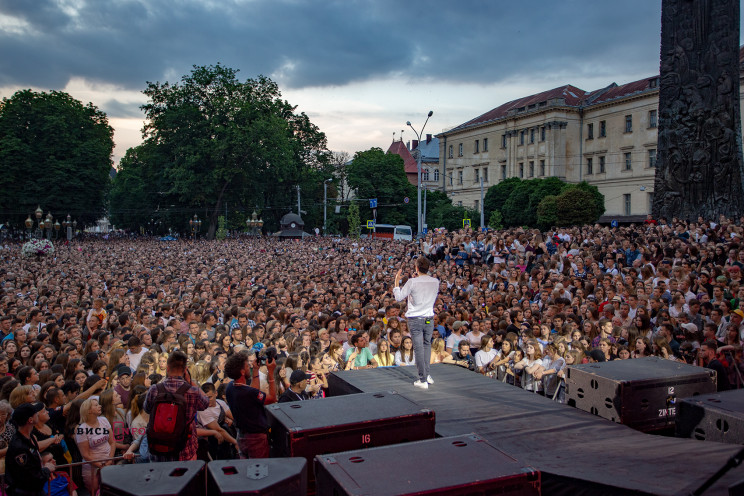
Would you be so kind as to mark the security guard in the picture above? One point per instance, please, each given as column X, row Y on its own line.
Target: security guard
column 23, row 468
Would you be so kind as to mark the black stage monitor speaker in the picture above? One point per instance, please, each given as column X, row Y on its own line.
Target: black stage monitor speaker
column 342, row 423
column 713, row 417
column 259, row 477
column 154, row 479
column 452, row 466
column 641, row 393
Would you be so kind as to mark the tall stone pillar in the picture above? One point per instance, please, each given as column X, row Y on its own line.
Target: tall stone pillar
column 699, row 159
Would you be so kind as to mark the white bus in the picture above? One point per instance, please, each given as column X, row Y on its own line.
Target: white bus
column 389, row 231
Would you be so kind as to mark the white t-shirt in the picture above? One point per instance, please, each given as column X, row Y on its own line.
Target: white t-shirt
column 205, row 417
column 135, row 358
column 482, row 358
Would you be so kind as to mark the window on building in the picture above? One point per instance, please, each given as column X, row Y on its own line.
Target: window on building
column 602, row 165
column 503, row 172
column 628, row 162
column 485, row 174
column 650, row 202
column 503, row 141
column 450, row 152
column 590, row 131
column 477, row 146
column 602, row 129
column 521, row 137
column 521, row 170
column 542, row 133
column 532, row 168
column 436, row 175
column 477, row 175
column 652, row 118
column 477, row 205
column 485, row 144
column 626, row 204
column 459, row 177
column 459, row 203
column 652, row 158
column 532, row 135
column 425, row 175
column 451, row 178
column 542, row 167
column 589, row 166
column 459, row 150
column 628, row 123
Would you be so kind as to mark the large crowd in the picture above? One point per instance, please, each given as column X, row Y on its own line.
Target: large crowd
column 88, row 331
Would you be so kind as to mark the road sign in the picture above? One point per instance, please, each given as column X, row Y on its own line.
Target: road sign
column 613, row 223
column 406, row 199
column 424, row 230
column 465, row 222
column 370, row 224
column 373, row 203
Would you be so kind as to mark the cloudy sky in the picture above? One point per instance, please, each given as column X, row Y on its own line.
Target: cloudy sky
column 359, row 69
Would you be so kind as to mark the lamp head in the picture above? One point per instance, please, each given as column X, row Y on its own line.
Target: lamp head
column 408, row 123
column 431, row 112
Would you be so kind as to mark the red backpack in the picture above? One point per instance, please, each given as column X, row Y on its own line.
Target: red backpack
column 168, row 429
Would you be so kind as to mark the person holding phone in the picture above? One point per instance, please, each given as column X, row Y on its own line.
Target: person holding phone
column 420, row 293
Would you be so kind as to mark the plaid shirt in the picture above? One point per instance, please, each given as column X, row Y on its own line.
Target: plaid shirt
column 196, row 401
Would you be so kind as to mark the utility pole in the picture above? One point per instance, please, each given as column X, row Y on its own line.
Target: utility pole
column 325, row 203
column 482, row 211
column 298, row 201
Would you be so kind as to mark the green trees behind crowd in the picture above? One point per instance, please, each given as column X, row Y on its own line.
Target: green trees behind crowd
column 544, row 203
column 215, row 145
column 55, row 152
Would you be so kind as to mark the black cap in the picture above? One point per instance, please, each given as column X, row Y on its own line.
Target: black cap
column 123, row 369
column 298, row 376
column 24, row 412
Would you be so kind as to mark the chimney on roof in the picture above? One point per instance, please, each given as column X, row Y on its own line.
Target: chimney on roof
column 414, row 144
column 428, row 139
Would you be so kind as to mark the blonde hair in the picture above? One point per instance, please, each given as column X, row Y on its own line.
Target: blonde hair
column 438, row 345
column 85, row 409
column 18, row 395
column 200, row 371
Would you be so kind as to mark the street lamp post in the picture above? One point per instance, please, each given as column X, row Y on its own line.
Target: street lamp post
column 325, row 199
column 418, row 167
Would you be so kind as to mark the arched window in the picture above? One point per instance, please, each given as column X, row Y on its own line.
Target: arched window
column 425, row 174
column 436, row 175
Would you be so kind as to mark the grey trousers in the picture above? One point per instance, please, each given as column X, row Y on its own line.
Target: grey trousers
column 421, row 333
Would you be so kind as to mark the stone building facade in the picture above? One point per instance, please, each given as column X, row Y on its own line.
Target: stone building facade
column 606, row 137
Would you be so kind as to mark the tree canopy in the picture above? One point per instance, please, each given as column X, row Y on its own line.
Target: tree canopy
column 215, row 144
column 55, row 152
column 544, row 202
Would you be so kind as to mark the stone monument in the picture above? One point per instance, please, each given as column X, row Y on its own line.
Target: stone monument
column 699, row 159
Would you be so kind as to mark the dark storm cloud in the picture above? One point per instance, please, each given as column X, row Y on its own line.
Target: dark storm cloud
column 318, row 43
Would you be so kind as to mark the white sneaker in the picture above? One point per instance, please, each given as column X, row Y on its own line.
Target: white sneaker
column 421, row 384
column 429, row 379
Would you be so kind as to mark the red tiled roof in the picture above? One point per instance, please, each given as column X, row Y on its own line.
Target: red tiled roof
column 571, row 94
column 623, row 90
column 399, row 148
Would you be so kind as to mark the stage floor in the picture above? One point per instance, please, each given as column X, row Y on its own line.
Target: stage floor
column 577, row 452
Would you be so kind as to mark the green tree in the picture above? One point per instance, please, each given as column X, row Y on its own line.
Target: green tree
column 54, row 152
column 497, row 195
column 495, row 221
column 353, row 218
column 597, row 201
column 576, row 206
column 547, row 213
column 376, row 174
column 220, row 140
